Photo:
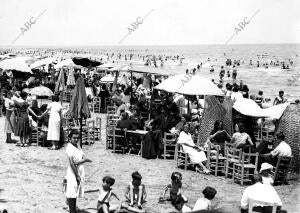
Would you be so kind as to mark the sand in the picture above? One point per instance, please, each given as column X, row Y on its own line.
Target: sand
column 31, row 179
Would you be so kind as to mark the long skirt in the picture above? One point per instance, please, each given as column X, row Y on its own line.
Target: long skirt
column 22, row 126
column 53, row 129
column 8, row 126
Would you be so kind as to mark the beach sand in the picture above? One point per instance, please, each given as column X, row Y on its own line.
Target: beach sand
column 31, row 179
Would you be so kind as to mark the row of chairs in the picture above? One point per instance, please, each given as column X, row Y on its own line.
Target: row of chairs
column 95, row 105
column 91, row 131
column 236, row 164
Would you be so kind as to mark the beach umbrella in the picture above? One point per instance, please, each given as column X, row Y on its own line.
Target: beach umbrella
column 66, row 63
column 20, row 64
column 41, row 91
column 60, row 84
column 79, row 108
column 173, row 83
column 85, row 62
column 198, row 85
column 43, row 62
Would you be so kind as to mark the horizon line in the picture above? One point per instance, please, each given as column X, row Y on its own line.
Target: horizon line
column 147, row 45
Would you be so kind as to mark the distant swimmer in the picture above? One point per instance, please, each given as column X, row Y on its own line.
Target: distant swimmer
column 212, row 68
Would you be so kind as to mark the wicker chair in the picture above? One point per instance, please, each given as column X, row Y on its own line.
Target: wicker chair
column 96, row 104
column 281, row 170
column 98, row 130
column 245, row 169
column 182, row 158
column 232, row 155
column 215, row 162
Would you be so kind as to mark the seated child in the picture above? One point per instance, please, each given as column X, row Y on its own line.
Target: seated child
column 265, row 172
column 204, row 203
column 105, row 194
column 180, row 204
column 174, row 187
column 135, row 193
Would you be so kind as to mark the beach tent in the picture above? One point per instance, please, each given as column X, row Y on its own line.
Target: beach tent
column 20, row 64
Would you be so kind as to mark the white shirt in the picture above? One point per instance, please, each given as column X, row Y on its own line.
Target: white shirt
column 202, row 204
column 268, row 180
column 260, row 192
column 282, row 150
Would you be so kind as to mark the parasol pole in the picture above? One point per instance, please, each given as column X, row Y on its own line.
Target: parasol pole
column 80, row 120
column 131, row 86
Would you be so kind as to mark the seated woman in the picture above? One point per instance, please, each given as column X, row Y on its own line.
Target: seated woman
column 218, row 136
column 124, row 123
column 240, row 138
column 196, row 154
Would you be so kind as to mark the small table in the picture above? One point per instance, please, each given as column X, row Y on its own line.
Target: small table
column 140, row 133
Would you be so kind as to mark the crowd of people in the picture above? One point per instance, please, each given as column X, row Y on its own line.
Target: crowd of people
column 166, row 112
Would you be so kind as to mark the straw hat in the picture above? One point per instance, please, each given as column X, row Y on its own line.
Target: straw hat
column 265, row 166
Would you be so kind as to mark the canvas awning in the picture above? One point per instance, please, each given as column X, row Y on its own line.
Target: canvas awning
column 250, row 108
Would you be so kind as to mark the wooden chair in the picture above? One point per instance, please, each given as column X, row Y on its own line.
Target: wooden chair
column 88, row 136
column 215, row 162
column 182, row 158
column 111, row 110
column 109, row 136
column 245, row 169
column 261, row 203
column 169, row 143
column 96, row 104
column 232, row 155
column 107, row 102
column 98, row 130
column 282, row 169
column 119, row 141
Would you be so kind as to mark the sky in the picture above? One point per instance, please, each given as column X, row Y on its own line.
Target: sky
column 169, row 22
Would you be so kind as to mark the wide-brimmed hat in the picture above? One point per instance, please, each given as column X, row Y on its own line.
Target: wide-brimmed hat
column 265, row 166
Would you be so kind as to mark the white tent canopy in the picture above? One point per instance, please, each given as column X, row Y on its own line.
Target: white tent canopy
column 250, row 108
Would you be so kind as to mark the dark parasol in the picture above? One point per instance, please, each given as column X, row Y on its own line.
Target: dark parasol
column 79, row 108
column 85, row 62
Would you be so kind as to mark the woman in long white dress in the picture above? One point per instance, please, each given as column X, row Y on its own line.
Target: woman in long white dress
column 75, row 172
column 196, row 154
column 54, row 121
